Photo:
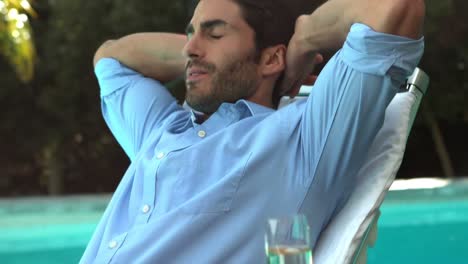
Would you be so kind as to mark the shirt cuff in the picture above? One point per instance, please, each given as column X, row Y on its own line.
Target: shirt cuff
column 379, row 53
column 112, row 75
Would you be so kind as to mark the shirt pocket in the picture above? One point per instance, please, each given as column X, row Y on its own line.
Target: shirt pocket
column 207, row 183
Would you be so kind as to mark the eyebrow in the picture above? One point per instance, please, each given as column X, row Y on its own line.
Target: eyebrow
column 209, row 24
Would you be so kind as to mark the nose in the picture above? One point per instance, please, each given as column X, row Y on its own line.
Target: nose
column 193, row 48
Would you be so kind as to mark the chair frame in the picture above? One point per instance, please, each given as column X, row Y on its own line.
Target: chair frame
column 418, row 82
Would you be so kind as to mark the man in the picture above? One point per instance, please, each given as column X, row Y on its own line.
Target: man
column 202, row 183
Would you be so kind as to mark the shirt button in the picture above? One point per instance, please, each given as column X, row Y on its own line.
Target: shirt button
column 160, row 155
column 145, row 209
column 201, row 133
column 112, row 244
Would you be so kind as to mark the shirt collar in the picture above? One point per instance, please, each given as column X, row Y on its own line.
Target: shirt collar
column 237, row 111
column 254, row 108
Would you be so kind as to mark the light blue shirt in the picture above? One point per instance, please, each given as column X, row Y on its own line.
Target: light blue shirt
column 201, row 193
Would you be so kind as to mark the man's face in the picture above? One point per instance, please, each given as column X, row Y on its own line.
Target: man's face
column 220, row 56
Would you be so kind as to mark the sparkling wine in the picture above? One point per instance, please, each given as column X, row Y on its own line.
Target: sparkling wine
column 290, row 255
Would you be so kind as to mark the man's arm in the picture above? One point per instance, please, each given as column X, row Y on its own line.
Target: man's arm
column 134, row 105
column 327, row 27
column 346, row 107
column 155, row 55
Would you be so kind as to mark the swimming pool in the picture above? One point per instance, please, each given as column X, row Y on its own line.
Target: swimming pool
column 47, row 230
column 416, row 226
column 423, row 226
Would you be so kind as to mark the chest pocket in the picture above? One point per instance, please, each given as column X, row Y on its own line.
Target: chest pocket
column 207, row 179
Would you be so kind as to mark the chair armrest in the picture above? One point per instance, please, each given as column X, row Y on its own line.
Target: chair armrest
column 370, row 237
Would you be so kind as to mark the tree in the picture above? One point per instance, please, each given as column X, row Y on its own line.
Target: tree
column 53, row 132
column 16, row 42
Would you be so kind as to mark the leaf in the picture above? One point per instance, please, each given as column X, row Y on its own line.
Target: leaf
column 16, row 42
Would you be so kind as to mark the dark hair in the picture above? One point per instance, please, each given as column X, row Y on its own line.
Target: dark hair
column 273, row 22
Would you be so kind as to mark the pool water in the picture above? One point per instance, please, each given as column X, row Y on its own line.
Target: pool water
column 416, row 226
column 47, row 230
column 423, row 226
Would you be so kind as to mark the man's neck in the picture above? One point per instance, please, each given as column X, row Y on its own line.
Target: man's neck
column 200, row 119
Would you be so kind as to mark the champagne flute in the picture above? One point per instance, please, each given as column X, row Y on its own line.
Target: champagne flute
column 287, row 240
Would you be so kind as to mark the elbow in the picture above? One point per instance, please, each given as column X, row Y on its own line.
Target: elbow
column 408, row 17
column 103, row 51
column 415, row 8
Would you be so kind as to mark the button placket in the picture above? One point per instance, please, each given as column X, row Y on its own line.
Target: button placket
column 150, row 191
column 201, row 133
column 113, row 244
column 160, row 155
column 146, row 205
column 145, row 209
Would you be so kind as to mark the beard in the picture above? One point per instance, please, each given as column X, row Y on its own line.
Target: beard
column 236, row 80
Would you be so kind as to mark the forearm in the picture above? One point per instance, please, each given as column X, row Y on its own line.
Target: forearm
column 155, row 55
column 327, row 27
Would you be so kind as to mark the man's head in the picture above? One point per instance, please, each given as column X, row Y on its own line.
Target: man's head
column 236, row 50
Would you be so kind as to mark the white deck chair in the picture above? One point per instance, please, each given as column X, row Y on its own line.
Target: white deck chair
column 354, row 228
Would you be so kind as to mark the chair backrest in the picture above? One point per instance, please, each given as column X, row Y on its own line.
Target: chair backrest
column 346, row 237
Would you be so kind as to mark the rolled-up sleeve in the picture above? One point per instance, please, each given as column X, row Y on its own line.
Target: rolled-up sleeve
column 346, row 108
column 381, row 54
column 132, row 105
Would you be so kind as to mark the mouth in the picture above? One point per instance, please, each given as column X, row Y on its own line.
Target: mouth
column 194, row 74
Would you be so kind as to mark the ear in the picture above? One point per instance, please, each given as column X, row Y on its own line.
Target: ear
column 273, row 60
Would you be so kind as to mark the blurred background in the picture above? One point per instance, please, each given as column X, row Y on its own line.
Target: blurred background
column 53, row 140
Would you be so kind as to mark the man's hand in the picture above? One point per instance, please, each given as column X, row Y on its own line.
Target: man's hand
column 300, row 64
column 327, row 27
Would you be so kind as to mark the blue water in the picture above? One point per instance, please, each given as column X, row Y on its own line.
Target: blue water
column 423, row 226
column 417, row 226
column 50, row 256
column 427, row 243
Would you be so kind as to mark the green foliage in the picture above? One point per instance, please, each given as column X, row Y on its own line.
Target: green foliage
column 16, row 43
column 54, row 124
column 446, row 58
